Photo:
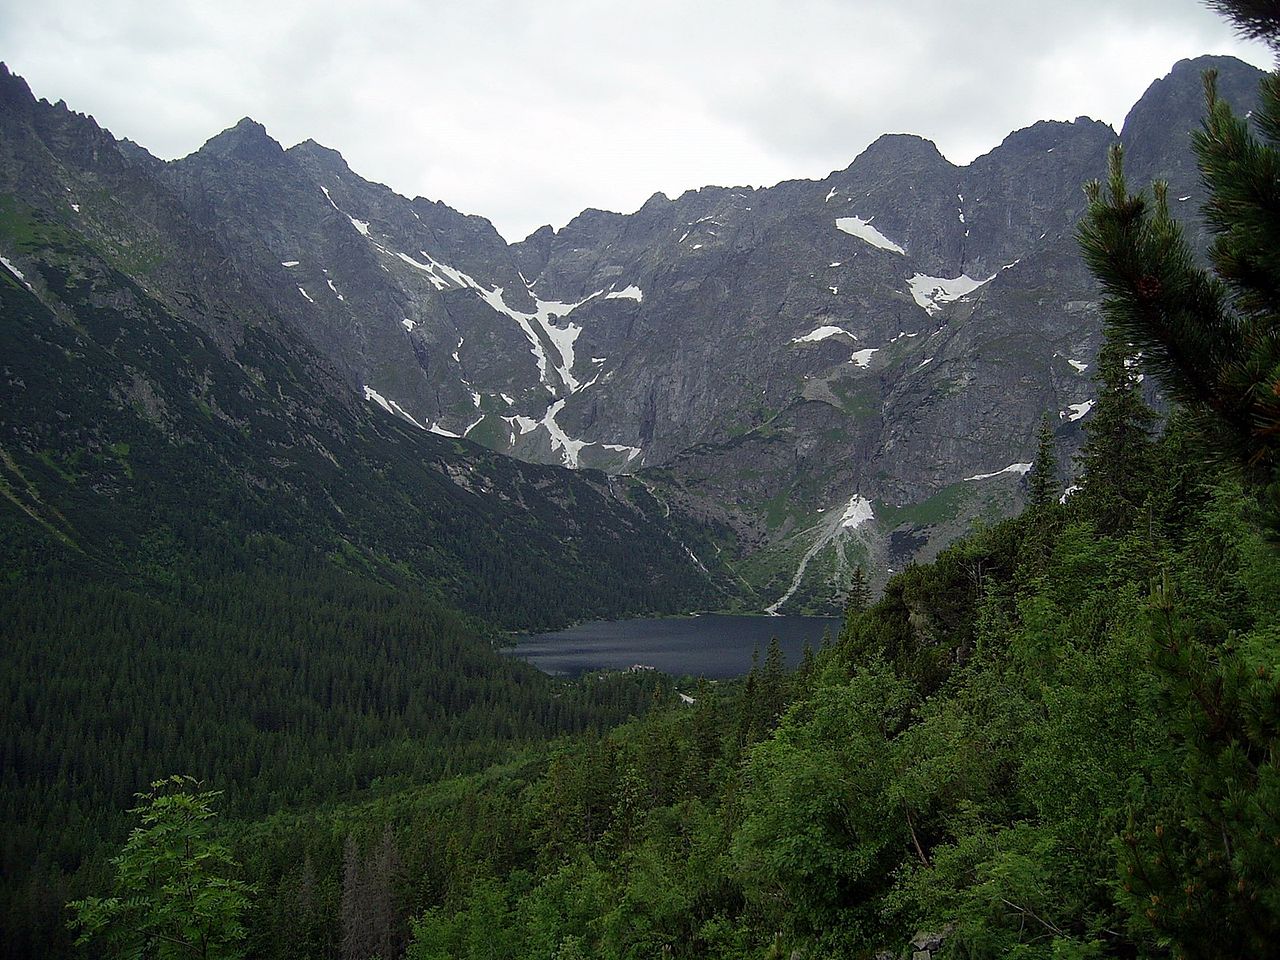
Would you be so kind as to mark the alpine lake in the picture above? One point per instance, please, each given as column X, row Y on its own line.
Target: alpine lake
column 715, row 646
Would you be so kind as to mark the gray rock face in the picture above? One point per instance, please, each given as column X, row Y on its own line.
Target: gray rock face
column 140, row 324
column 844, row 371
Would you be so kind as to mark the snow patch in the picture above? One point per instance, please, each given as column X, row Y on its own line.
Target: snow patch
column 408, row 324
column 1076, row 411
column 857, row 512
column 822, row 333
column 1080, row 367
column 405, row 413
column 335, row 290
column 390, row 406
column 372, row 394
column 631, row 293
column 569, row 447
column 14, row 270
column 562, row 338
column 8, row 265
column 932, row 292
column 632, row 453
column 863, row 357
column 289, row 263
column 361, row 225
column 305, row 294
column 862, row 229
column 524, row 424
column 437, row 282
column 1018, row 468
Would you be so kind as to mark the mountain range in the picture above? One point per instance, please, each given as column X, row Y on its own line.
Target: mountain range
column 755, row 390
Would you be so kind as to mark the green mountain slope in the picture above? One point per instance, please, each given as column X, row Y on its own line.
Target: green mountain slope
column 216, row 558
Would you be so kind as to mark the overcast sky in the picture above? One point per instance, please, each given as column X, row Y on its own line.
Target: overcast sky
column 527, row 112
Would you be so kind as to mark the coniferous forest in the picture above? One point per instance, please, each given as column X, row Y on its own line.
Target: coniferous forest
column 278, row 726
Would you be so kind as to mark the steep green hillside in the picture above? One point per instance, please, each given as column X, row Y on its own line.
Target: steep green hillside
column 1058, row 740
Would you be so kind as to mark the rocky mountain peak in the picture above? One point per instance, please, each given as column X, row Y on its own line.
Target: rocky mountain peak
column 1046, row 135
column 319, row 157
column 247, row 142
column 542, row 235
column 15, row 95
column 656, row 202
column 1179, row 95
column 1157, row 130
column 137, row 153
column 894, row 148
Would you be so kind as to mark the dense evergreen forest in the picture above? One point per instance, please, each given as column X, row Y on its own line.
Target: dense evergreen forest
column 286, row 686
column 1056, row 741
column 1061, row 739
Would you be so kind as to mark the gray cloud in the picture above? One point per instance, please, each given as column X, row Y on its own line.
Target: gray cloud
column 527, row 112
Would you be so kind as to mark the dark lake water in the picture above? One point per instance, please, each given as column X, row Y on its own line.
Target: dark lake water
column 712, row 646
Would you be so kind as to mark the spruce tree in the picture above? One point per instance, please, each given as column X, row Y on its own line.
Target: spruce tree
column 1118, row 452
column 859, row 597
column 749, row 706
column 357, row 925
column 383, row 875
column 1043, row 515
column 1043, row 479
column 773, row 683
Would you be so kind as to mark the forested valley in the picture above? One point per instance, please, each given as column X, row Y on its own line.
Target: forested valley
column 1059, row 739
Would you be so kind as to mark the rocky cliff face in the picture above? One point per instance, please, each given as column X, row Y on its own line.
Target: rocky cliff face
column 841, row 371
column 164, row 397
